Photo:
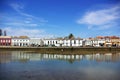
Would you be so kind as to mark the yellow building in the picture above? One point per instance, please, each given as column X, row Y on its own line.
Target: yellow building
column 112, row 41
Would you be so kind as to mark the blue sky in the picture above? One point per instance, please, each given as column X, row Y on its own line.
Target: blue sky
column 58, row 18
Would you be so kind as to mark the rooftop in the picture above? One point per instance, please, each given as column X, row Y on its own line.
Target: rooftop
column 5, row 36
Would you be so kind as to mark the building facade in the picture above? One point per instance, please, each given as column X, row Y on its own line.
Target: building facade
column 88, row 42
column 98, row 42
column 63, row 42
column 51, row 42
column 20, row 41
column 107, row 41
column 5, row 41
column 36, row 42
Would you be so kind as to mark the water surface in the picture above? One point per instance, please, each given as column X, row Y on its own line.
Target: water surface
column 20, row 65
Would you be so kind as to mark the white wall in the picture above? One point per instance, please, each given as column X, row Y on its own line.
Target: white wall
column 88, row 43
column 76, row 43
column 96, row 43
column 66, row 43
column 35, row 41
column 51, row 42
column 20, row 42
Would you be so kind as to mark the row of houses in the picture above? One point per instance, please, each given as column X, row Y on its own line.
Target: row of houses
column 90, row 42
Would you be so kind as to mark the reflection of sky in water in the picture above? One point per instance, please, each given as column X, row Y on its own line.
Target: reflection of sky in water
column 28, row 66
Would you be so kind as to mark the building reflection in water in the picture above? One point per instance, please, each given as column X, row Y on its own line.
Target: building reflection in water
column 22, row 56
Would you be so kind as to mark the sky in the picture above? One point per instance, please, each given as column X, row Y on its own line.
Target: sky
column 59, row 18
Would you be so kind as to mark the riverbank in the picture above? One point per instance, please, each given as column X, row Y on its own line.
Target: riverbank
column 63, row 50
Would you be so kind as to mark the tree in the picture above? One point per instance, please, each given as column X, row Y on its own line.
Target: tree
column 0, row 32
column 71, row 36
column 5, row 34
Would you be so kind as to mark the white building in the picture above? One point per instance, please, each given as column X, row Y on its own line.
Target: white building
column 20, row 41
column 73, row 42
column 94, row 42
column 51, row 42
column 36, row 42
column 88, row 42
column 98, row 42
column 77, row 42
column 66, row 42
column 63, row 42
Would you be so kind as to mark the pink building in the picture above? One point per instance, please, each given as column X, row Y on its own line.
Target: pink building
column 5, row 41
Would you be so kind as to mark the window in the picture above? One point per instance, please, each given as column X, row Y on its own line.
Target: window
column 74, row 42
column 53, row 42
column 3, row 40
column 48, row 42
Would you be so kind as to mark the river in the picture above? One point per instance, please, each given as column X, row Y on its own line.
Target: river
column 21, row 65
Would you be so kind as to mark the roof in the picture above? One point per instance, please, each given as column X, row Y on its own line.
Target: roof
column 35, row 38
column 5, row 36
column 20, row 38
column 99, row 37
column 63, row 39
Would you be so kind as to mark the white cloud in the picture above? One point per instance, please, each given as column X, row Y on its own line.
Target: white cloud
column 19, row 8
column 101, row 19
column 20, row 23
column 27, row 32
